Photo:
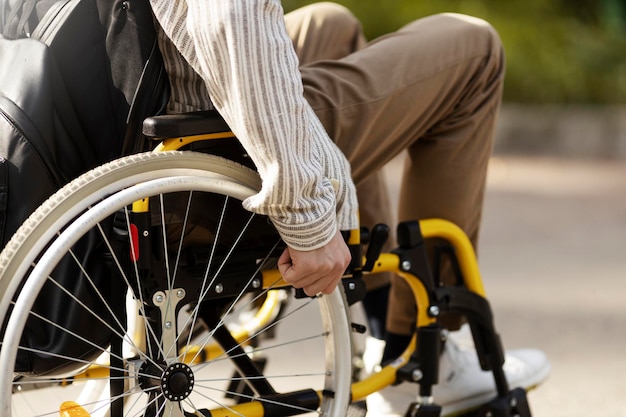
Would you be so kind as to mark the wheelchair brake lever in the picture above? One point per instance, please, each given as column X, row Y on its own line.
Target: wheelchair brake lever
column 377, row 238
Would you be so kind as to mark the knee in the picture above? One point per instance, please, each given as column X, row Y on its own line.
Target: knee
column 474, row 30
column 332, row 14
column 333, row 27
column 471, row 36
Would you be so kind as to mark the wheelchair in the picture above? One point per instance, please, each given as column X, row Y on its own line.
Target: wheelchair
column 143, row 288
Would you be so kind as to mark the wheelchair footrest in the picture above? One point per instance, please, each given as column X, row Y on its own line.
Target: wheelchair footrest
column 423, row 410
column 512, row 405
column 358, row 409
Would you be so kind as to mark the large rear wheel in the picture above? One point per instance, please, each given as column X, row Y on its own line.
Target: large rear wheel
column 126, row 293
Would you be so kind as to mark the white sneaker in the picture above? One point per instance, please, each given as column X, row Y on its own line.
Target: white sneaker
column 463, row 385
column 373, row 354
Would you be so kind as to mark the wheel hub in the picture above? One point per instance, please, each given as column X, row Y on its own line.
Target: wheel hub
column 177, row 382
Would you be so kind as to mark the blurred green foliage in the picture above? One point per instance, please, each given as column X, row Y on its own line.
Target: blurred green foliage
column 558, row 51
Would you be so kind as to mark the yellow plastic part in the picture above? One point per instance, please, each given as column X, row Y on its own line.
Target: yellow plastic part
column 355, row 237
column 141, row 206
column 273, row 279
column 466, row 255
column 173, row 144
column 71, row 409
column 383, row 378
column 464, row 250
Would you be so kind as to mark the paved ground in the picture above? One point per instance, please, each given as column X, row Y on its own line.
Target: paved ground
column 553, row 258
column 554, row 261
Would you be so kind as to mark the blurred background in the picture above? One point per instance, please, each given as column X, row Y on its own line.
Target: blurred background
column 553, row 245
column 558, row 51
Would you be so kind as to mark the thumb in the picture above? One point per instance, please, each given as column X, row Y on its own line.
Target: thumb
column 284, row 262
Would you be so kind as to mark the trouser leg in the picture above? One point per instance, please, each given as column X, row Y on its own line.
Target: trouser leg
column 434, row 88
column 324, row 31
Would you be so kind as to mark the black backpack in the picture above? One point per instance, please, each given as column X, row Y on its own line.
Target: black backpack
column 77, row 78
column 76, row 90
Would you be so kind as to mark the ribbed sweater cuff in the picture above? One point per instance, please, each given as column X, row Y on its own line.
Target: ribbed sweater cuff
column 308, row 236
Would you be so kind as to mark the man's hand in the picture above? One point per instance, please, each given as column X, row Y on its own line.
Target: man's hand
column 316, row 271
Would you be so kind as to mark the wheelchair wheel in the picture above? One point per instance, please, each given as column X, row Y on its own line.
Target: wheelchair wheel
column 113, row 291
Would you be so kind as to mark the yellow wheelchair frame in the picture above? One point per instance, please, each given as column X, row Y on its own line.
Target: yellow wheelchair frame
column 418, row 364
column 424, row 290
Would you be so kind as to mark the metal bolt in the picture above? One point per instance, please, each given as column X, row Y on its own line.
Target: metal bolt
column 168, row 324
column 513, row 402
column 146, row 233
column 406, row 265
column 158, row 298
column 219, row 288
column 416, row 375
column 180, row 293
column 433, row 311
column 352, row 286
column 256, row 283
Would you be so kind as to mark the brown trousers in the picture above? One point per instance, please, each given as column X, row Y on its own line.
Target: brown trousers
column 432, row 88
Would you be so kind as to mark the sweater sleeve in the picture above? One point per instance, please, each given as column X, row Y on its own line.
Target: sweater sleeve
column 243, row 53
